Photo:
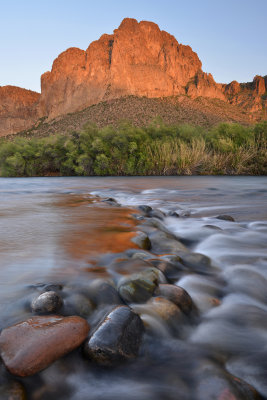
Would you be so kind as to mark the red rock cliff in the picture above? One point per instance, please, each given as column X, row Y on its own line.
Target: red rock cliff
column 137, row 59
column 18, row 109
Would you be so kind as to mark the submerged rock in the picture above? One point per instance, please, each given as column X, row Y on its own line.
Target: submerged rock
column 164, row 243
column 78, row 304
column 176, row 295
column 142, row 240
column 102, row 292
column 117, row 338
column 145, row 209
column 139, row 287
column 12, row 391
column 226, row 218
column 172, row 270
column 30, row 346
column 215, row 383
column 173, row 214
column 48, row 302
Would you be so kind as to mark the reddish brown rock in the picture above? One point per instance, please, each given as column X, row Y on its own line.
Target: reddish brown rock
column 18, row 109
column 176, row 295
column 259, row 85
column 205, row 86
column 137, row 59
column 233, row 88
column 30, row 346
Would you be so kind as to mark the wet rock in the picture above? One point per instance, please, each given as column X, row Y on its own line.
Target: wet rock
column 215, row 383
column 173, row 214
column 142, row 240
column 48, row 302
column 32, row 345
column 225, row 218
column 145, row 209
column 12, row 391
column 196, row 262
column 102, row 292
column 172, row 271
column 139, row 287
column 156, row 214
column 111, row 202
column 117, row 338
column 212, row 227
column 165, row 309
column 134, row 265
column 78, row 304
column 160, row 316
column 141, row 256
column 177, row 295
column 164, row 243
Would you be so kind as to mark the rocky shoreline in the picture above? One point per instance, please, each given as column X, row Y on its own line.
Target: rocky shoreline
column 111, row 323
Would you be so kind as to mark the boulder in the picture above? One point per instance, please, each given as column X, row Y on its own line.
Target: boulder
column 32, row 345
column 117, row 338
column 176, row 295
column 48, row 302
column 139, row 287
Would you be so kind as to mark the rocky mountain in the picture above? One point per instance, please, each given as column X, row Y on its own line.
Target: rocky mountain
column 138, row 59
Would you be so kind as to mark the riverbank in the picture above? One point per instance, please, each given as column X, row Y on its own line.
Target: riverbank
column 157, row 149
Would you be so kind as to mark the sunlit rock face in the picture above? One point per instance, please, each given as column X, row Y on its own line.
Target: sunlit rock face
column 18, row 109
column 137, row 59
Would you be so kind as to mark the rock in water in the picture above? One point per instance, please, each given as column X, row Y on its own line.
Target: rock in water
column 142, row 240
column 30, row 346
column 176, row 295
column 47, row 302
column 226, row 218
column 139, row 287
column 117, row 338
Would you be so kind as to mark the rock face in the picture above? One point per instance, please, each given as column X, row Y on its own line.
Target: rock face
column 18, row 109
column 30, row 346
column 137, row 59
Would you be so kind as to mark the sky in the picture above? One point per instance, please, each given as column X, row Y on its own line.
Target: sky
column 229, row 36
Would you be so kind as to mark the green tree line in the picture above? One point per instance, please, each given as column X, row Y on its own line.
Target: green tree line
column 156, row 149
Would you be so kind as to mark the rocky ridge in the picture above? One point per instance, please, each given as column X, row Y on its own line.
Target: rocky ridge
column 138, row 59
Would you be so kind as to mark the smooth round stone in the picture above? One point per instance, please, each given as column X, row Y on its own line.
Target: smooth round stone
column 172, row 271
column 78, row 304
column 165, row 309
column 117, row 338
column 142, row 241
column 225, row 218
column 164, row 243
column 176, row 295
column 139, row 287
column 173, row 214
column 32, row 345
column 48, row 302
column 102, row 292
column 156, row 214
column 145, row 209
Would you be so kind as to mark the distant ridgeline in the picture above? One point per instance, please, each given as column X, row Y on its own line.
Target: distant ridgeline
column 229, row 149
column 138, row 59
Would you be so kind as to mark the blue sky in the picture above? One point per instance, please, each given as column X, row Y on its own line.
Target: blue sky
column 230, row 37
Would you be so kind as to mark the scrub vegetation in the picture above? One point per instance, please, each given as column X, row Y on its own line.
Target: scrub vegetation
column 156, row 149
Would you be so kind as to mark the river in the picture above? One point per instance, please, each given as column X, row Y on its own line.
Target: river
column 59, row 231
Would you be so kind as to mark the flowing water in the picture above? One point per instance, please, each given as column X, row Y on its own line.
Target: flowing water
column 58, row 231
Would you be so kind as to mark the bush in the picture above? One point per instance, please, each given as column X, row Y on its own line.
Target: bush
column 156, row 149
